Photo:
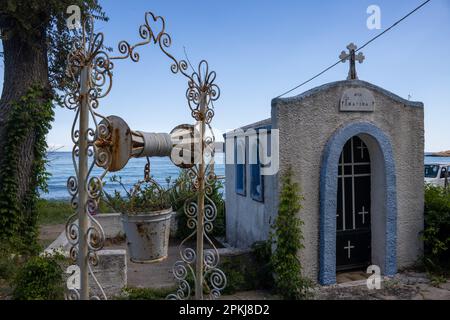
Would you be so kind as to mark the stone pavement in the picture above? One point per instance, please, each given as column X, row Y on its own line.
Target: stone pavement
column 351, row 285
column 404, row 286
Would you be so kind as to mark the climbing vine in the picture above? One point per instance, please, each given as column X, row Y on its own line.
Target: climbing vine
column 31, row 114
column 286, row 237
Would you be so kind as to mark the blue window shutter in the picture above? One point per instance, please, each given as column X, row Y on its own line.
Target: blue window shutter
column 256, row 179
column 240, row 171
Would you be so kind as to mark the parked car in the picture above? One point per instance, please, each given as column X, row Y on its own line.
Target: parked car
column 437, row 173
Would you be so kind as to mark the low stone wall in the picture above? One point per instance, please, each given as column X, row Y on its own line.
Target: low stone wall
column 111, row 271
column 112, row 268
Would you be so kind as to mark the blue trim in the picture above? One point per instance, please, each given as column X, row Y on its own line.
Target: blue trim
column 240, row 172
column 256, row 179
column 328, row 194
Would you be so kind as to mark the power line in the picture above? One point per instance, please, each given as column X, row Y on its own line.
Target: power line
column 362, row 47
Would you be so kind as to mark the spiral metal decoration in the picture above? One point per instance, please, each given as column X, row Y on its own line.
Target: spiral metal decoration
column 90, row 71
column 202, row 92
column 87, row 54
column 86, row 89
column 201, row 211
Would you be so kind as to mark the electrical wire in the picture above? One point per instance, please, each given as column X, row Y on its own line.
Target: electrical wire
column 362, row 47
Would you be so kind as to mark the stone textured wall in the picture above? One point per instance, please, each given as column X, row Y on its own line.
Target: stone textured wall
column 111, row 273
column 306, row 122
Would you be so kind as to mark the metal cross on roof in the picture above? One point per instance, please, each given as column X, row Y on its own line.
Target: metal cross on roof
column 352, row 57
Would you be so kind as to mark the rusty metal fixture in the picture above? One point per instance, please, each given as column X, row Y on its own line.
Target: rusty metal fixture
column 117, row 146
column 122, row 144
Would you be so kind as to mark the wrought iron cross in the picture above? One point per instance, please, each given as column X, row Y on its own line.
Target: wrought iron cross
column 349, row 248
column 363, row 214
column 362, row 147
column 352, row 57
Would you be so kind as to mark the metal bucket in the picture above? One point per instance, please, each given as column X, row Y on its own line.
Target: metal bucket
column 147, row 235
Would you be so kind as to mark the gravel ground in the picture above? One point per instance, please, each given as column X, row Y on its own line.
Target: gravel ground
column 404, row 286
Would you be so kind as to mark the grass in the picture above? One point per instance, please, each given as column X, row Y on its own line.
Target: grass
column 53, row 212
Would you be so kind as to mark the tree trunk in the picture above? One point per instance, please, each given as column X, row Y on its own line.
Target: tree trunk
column 25, row 65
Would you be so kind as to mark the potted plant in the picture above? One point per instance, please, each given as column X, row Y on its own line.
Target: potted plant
column 146, row 214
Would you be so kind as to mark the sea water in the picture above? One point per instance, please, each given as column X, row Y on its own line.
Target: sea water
column 60, row 166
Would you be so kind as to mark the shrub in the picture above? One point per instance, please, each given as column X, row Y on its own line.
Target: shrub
column 40, row 278
column 8, row 262
column 144, row 197
column 262, row 253
column 436, row 234
column 181, row 191
column 287, row 237
column 237, row 275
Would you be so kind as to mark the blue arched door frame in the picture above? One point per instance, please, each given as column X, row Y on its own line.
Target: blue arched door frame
column 328, row 198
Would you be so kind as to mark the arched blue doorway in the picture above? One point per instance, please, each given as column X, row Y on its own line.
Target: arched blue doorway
column 384, row 199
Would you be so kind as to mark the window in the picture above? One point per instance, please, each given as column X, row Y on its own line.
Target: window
column 256, row 179
column 431, row 171
column 239, row 160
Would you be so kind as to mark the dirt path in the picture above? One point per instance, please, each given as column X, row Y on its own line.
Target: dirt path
column 49, row 233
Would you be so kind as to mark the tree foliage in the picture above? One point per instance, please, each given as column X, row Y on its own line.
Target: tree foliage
column 24, row 18
column 36, row 42
column 18, row 220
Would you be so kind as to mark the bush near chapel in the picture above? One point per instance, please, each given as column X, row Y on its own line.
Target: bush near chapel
column 181, row 191
column 287, row 237
column 436, row 233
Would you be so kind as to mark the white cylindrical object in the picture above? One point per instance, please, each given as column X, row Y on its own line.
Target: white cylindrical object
column 156, row 144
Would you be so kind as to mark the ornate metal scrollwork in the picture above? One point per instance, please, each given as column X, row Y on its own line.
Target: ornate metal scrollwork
column 89, row 56
column 87, row 52
column 201, row 94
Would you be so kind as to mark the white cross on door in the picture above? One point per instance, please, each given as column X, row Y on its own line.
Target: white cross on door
column 349, row 248
column 363, row 213
column 362, row 147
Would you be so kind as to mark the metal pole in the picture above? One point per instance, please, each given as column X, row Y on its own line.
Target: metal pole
column 83, row 252
column 201, row 204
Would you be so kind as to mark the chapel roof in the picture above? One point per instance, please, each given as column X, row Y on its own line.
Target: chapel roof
column 266, row 123
column 349, row 83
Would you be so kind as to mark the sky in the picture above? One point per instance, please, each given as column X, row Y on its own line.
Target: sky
column 262, row 48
